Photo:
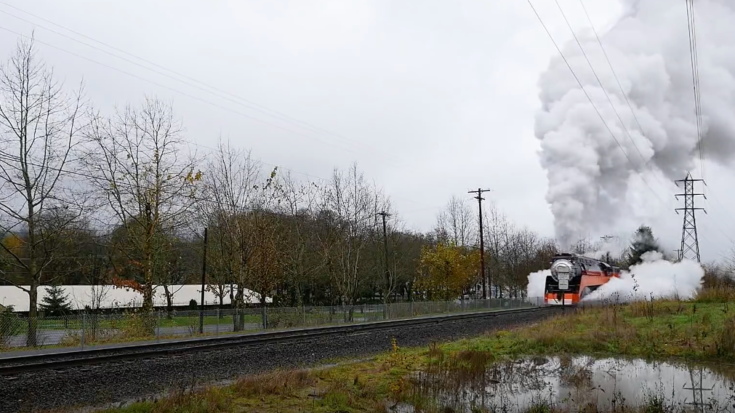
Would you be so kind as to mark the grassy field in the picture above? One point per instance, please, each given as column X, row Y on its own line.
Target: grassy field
column 702, row 330
column 656, row 329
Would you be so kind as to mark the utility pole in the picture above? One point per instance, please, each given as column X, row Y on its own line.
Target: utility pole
column 608, row 258
column 479, row 199
column 204, row 276
column 689, row 240
column 384, row 215
column 678, row 254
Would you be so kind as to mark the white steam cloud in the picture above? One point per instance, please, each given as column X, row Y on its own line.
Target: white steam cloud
column 536, row 283
column 653, row 278
column 589, row 176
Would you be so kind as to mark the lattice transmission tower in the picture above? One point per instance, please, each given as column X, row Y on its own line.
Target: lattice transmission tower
column 689, row 241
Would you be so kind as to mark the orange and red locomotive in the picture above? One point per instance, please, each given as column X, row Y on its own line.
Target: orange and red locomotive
column 575, row 276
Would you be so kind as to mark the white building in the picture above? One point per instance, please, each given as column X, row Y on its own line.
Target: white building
column 110, row 297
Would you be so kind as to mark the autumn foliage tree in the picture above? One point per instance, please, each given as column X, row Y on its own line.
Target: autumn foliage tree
column 446, row 271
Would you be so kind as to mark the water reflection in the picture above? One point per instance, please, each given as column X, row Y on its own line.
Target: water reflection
column 467, row 382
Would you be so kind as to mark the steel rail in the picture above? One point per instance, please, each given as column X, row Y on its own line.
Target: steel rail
column 27, row 363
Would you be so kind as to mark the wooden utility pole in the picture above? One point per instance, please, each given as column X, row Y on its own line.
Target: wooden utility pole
column 608, row 258
column 204, row 277
column 479, row 199
column 385, row 251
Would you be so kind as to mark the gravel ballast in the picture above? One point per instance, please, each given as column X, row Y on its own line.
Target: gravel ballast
column 123, row 381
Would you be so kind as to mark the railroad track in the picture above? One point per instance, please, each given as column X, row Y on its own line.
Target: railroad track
column 12, row 366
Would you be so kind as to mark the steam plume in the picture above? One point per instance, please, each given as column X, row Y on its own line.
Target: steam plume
column 653, row 278
column 589, row 176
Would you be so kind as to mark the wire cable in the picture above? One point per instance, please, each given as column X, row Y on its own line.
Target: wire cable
column 189, row 95
column 625, row 95
column 598, row 113
column 694, row 59
column 558, row 49
column 615, row 75
column 599, row 82
column 237, row 99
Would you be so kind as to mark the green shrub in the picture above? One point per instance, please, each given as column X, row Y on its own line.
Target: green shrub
column 10, row 325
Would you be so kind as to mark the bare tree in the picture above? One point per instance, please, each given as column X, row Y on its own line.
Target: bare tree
column 298, row 203
column 136, row 164
column 231, row 185
column 352, row 205
column 267, row 241
column 39, row 125
column 457, row 223
column 497, row 228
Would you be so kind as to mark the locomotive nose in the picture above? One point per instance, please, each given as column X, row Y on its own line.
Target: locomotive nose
column 560, row 267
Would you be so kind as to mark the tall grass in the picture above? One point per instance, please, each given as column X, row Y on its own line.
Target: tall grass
column 718, row 285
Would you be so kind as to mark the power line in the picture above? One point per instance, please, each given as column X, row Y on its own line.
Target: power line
column 237, row 99
column 185, row 93
column 558, row 49
column 576, row 39
column 620, row 86
column 202, row 100
column 596, row 110
column 625, row 95
column 694, row 59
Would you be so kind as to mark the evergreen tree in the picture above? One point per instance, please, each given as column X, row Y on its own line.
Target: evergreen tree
column 55, row 303
column 643, row 242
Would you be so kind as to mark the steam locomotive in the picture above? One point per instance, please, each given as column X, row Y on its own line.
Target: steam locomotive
column 574, row 276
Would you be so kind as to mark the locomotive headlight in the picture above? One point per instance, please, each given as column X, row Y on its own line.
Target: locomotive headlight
column 561, row 266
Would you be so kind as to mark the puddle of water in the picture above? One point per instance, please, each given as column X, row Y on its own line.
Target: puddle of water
column 574, row 383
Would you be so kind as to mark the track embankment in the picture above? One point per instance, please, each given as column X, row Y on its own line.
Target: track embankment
column 125, row 374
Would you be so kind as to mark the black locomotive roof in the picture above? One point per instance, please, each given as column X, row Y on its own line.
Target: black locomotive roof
column 587, row 262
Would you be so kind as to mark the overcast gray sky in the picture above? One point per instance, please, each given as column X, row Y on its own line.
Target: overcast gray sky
column 431, row 98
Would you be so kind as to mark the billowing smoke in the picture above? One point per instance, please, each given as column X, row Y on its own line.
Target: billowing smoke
column 589, row 176
column 536, row 283
column 653, row 278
